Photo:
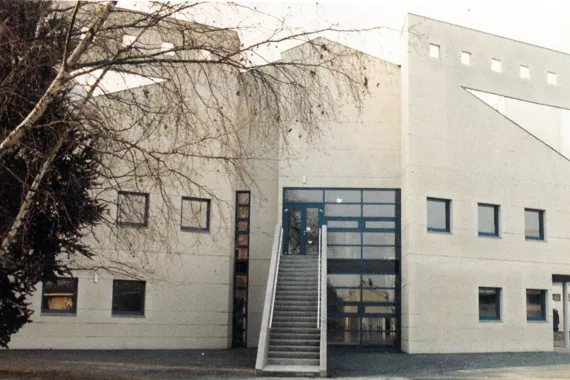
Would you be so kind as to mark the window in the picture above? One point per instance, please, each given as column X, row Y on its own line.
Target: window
column 489, row 304
column 488, row 220
column 438, row 219
column 132, row 209
column 533, row 224
column 535, row 305
column 465, row 58
column 128, row 297
column 128, row 40
column 524, row 72
column 496, row 65
column 195, row 214
column 556, row 297
column 167, row 46
column 551, row 78
column 434, row 51
column 60, row 296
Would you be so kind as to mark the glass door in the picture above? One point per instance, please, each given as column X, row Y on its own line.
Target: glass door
column 301, row 229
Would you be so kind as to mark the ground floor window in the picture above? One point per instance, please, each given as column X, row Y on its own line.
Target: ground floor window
column 60, row 296
column 128, row 297
column 489, row 304
column 535, row 305
column 241, row 268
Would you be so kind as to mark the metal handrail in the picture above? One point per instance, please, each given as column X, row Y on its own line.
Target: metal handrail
column 275, row 278
column 319, row 280
column 323, row 305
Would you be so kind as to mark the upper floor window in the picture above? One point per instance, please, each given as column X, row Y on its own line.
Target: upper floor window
column 195, row 214
column 128, row 40
column 434, row 51
column 60, row 296
column 489, row 304
column 535, row 305
column 132, row 209
column 438, row 215
column 551, row 78
column 465, row 58
column 488, row 219
column 525, row 72
column 167, row 47
column 533, row 224
column 496, row 65
column 128, row 297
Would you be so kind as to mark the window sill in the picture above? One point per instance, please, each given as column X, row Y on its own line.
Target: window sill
column 541, row 321
column 55, row 314
column 490, row 321
column 194, row 229
column 127, row 315
column 489, row 236
column 441, row 232
column 535, row 240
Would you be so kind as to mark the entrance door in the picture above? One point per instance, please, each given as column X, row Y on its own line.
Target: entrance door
column 301, row 224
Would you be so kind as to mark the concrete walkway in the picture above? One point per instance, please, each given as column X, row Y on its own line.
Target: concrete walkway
column 239, row 363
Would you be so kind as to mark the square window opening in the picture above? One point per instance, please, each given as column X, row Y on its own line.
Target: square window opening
column 535, row 305
column 524, row 72
column 465, row 58
column 489, row 304
column 167, row 47
column 488, row 219
column 59, row 296
column 438, row 215
column 496, row 65
column 128, row 40
column 551, row 78
column 434, row 51
column 128, row 297
column 533, row 224
column 195, row 214
column 132, row 209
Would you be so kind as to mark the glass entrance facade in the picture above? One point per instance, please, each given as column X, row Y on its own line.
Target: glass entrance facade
column 363, row 259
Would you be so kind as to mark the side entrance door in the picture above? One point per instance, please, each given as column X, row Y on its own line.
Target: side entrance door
column 301, row 224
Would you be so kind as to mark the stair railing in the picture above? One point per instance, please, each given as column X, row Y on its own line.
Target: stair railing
column 323, row 300
column 267, row 317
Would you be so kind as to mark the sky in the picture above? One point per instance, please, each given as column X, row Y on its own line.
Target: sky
column 545, row 23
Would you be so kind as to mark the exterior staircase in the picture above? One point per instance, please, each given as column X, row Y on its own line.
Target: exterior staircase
column 292, row 340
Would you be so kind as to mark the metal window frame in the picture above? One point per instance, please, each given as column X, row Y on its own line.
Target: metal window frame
column 498, row 294
column 72, row 312
column 245, row 263
column 496, row 216
column 208, row 210
column 540, row 224
column 543, row 295
column 129, row 313
column 447, row 203
column 146, row 205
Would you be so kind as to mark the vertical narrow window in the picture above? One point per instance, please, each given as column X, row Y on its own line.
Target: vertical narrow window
column 535, row 305
column 128, row 297
column 465, row 58
column 195, row 214
column 488, row 219
column 489, row 304
column 434, row 51
column 241, row 268
column 524, row 72
column 496, row 65
column 438, row 215
column 533, row 224
column 132, row 209
column 551, row 78
column 60, row 296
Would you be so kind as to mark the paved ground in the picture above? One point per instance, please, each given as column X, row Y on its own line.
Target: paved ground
column 239, row 363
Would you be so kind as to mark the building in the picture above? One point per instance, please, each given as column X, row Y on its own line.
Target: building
column 444, row 198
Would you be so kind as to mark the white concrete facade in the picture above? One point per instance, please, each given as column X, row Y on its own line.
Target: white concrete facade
column 419, row 130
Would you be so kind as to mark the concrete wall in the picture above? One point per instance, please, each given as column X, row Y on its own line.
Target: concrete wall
column 461, row 149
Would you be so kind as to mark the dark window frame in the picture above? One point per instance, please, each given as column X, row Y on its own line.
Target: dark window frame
column 73, row 311
column 119, row 313
column 496, row 215
column 540, row 224
column 498, row 293
column 447, row 203
column 543, row 295
column 133, row 224
column 208, row 210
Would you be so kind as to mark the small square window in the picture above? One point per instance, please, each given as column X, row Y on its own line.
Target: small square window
column 195, row 214
column 132, row 209
column 128, row 40
column 60, row 296
column 551, row 78
column 465, row 58
column 524, row 72
column 496, row 65
column 535, row 305
column 556, row 297
column 434, row 51
column 533, row 224
column 489, row 304
column 438, row 215
column 128, row 297
column 167, row 47
column 488, row 219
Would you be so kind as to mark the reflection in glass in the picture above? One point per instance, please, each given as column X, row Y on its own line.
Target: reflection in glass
column 344, row 280
column 312, row 232
column 489, row 303
column 378, row 210
column 378, row 295
column 294, row 232
column 344, row 238
column 378, row 252
column 336, row 252
column 342, row 196
column 379, row 280
column 488, row 223
column 304, row 196
column 437, row 212
column 535, row 302
column 533, row 224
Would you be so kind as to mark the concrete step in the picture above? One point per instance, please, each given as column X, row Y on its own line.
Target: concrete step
column 289, row 318
column 296, row 362
column 295, row 314
column 296, row 342
column 294, row 348
column 309, row 309
column 294, row 336
column 292, row 354
column 294, row 287
column 297, row 297
column 304, row 324
column 296, row 330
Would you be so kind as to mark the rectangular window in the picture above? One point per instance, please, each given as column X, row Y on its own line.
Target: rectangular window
column 128, row 297
column 535, row 305
column 438, row 215
column 434, row 51
column 496, row 65
column 60, row 296
column 488, row 220
column 524, row 72
column 128, row 40
column 465, row 58
column 556, row 297
column 195, row 214
column 551, row 78
column 167, row 47
column 132, row 209
column 489, row 304
column 533, row 224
